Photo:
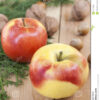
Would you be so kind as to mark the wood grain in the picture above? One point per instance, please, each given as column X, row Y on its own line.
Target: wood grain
column 67, row 31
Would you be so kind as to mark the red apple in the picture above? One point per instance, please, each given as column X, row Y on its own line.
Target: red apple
column 21, row 38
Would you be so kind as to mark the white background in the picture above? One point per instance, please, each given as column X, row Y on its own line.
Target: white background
column 95, row 50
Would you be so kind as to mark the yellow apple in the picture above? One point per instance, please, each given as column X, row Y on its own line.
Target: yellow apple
column 58, row 71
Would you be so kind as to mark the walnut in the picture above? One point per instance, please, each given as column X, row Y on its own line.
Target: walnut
column 51, row 25
column 36, row 11
column 83, row 28
column 77, row 43
column 80, row 9
column 3, row 21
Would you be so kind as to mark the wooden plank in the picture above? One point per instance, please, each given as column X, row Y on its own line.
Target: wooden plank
column 67, row 33
column 23, row 92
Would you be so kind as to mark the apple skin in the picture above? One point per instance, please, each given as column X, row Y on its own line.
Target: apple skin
column 21, row 37
column 58, row 79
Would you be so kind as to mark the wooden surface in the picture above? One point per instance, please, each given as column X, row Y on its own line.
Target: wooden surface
column 66, row 32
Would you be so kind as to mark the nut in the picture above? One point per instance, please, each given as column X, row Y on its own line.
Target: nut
column 80, row 9
column 51, row 25
column 83, row 28
column 77, row 43
column 36, row 12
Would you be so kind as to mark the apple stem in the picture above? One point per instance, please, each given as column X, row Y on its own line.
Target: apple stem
column 59, row 57
column 23, row 21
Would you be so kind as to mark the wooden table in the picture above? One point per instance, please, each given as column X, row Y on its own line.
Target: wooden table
column 66, row 32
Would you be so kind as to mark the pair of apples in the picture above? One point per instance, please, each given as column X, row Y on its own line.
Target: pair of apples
column 56, row 70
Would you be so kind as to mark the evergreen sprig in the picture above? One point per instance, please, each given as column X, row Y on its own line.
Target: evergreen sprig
column 15, row 8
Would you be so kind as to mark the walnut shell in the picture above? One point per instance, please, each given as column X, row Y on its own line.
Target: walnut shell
column 83, row 28
column 77, row 43
column 51, row 25
column 80, row 9
column 36, row 12
column 30, row 14
column 3, row 21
